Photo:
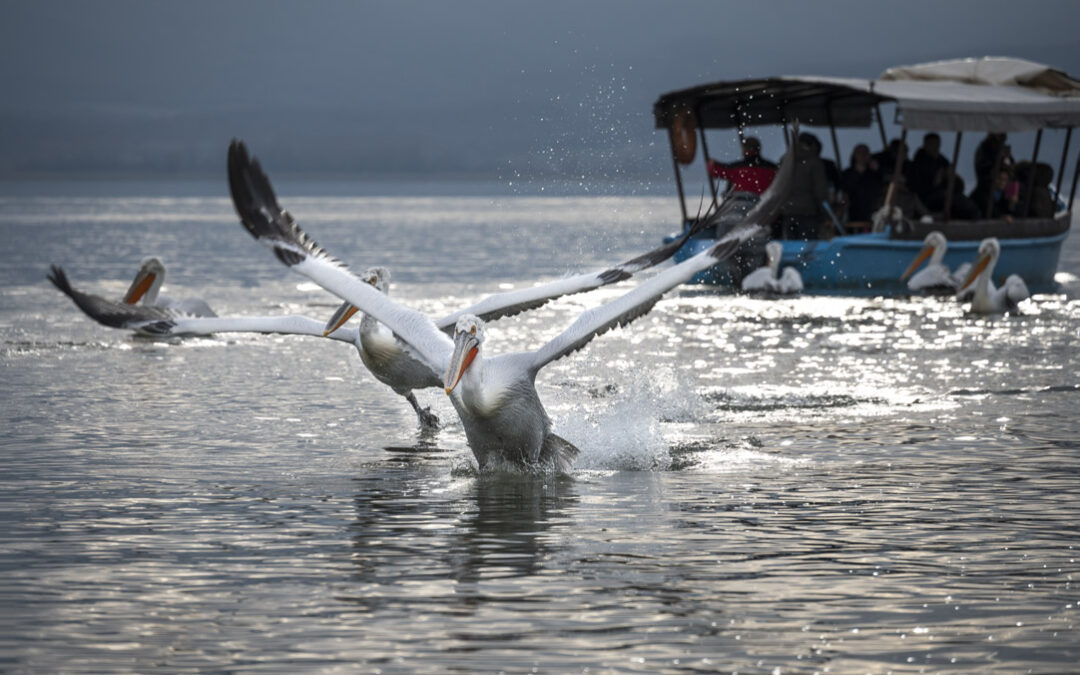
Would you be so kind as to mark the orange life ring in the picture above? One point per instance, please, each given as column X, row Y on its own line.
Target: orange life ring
column 683, row 133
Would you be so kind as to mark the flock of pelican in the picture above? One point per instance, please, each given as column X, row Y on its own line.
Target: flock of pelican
column 493, row 394
column 970, row 282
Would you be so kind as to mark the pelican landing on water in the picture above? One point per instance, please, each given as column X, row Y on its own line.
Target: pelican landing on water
column 495, row 396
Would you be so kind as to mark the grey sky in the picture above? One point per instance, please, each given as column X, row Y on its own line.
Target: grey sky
column 472, row 87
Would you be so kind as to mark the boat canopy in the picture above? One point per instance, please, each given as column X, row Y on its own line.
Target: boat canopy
column 988, row 94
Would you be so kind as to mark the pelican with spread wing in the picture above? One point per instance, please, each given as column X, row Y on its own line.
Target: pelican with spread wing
column 388, row 358
column 495, row 397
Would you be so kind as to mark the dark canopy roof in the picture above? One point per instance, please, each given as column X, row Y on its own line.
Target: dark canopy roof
column 970, row 95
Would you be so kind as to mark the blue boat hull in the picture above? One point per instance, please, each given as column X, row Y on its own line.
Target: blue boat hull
column 871, row 264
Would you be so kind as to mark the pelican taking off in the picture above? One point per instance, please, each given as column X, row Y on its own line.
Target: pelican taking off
column 768, row 279
column 495, row 396
column 987, row 298
column 388, row 358
column 935, row 278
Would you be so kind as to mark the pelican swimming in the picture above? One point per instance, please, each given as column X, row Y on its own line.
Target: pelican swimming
column 495, row 397
column 935, row 278
column 987, row 298
column 768, row 279
column 146, row 286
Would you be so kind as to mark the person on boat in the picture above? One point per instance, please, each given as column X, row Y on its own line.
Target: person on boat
column 962, row 208
column 886, row 159
column 1005, row 195
column 862, row 186
column 928, row 171
column 803, row 211
column 753, row 173
column 986, row 158
column 907, row 201
column 1042, row 202
column 832, row 172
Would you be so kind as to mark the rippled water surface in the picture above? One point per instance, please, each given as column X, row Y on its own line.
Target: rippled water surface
column 796, row 486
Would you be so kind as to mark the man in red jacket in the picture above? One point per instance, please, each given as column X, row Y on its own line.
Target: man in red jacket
column 751, row 174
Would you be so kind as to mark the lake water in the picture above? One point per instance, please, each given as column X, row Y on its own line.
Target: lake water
column 798, row 486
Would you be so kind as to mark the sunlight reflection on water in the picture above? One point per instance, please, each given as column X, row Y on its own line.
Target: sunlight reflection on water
column 842, row 484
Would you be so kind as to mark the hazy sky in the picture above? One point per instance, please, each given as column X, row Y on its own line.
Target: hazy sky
column 485, row 88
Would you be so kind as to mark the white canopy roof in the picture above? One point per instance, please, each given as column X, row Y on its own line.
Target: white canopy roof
column 989, row 94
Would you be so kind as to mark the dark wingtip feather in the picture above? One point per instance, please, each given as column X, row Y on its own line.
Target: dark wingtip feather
column 157, row 328
column 59, row 279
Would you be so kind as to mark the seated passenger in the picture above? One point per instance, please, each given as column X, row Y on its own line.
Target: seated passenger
column 927, row 172
column 986, row 155
column 752, row 173
column 1002, row 196
column 863, row 186
column 1042, row 202
column 886, row 159
column 803, row 211
column 907, row 201
column 962, row 208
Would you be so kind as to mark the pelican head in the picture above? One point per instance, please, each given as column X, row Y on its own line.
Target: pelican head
column 379, row 277
column 934, row 244
column 989, row 251
column 468, row 336
column 774, row 251
column 147, row 282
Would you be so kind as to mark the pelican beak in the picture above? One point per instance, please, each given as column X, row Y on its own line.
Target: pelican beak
column 466, row 347
column 139, row 287
column 343, row 314
column 976, row 269
column 923, row 255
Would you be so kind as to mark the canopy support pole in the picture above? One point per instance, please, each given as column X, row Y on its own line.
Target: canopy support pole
column 950, row 185
column 1031, row 174
column 1061, row 169
column 832, row 132
column 1076, row 174
column 881, row 126
column 705, row 156
column 993, row 180
column 679, row 186
column 897, row 166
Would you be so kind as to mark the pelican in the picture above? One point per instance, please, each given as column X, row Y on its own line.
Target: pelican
column 935, row 278
column 147, row 284
column 987, row 298
column 768, row 279
column 495, row 397
column 388, row 358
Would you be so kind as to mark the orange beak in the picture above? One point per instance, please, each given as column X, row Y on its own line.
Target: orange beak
column 344, row 313
column 139, row 289
column 923, row 255
column 979, row 266
column 466, row 347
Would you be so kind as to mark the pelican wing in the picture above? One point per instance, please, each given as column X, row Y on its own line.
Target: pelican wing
column 264, row 219
column 514, row 302
column 108, row 312
column 639, row 301
column 284, row 325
